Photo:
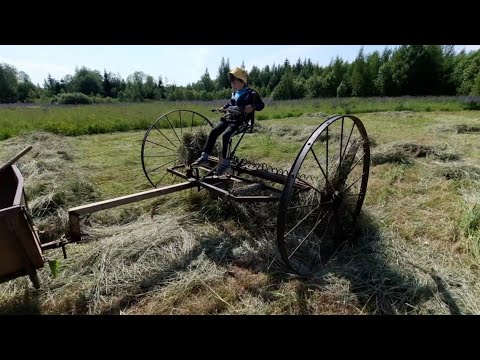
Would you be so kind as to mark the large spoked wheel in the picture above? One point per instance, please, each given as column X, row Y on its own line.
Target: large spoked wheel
column 324, row 193
column 165, row 143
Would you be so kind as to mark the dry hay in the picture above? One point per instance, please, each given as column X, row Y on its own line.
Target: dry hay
column 406, row 152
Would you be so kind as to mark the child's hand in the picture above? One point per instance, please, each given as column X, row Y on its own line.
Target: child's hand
column 248, row 109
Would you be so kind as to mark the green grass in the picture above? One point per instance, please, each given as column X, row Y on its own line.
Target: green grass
column 186, row 253
column 76, row 120
column 470, row 224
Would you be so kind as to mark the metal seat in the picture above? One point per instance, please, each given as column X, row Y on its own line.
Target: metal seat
column 242, row 130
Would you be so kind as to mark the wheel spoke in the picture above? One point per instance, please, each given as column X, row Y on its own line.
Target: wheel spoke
column 181, row 126
column 309, row 256
column 310, row 185
column 346, row 145
column 165, row 136
column 158, row 182
column 301, row 221
column 171, row 125
column 341, row 141
column 323, row 172
column 159, row 145
column 348, row 140
column 161, row 166
column 308, row 235
column 361, row 176
column 302, row 206
column 350, row 170
column 159, row 155
column 353, row 158
column 326, row 157
column 358, row 161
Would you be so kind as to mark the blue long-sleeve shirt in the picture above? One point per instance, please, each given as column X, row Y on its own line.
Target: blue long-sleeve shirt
column 244, row 97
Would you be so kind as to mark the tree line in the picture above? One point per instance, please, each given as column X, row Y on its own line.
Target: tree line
column 415, row 70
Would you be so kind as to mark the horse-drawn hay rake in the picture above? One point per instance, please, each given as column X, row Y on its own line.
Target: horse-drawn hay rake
column 318, row 199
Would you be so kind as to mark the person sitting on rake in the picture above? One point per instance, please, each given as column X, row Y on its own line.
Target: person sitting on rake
column 241, row 110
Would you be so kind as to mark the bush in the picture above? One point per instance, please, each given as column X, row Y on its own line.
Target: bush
column 342, row 90
column 72, row 98
column 471, row 104
column 97, row 99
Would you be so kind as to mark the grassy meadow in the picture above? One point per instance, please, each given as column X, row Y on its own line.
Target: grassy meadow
column 74, row 120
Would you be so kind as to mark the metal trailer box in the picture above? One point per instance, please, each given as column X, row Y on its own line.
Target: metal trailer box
column 20, row 247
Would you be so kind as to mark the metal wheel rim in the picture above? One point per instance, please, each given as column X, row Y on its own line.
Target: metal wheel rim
column 185, row 116
column 289, row 189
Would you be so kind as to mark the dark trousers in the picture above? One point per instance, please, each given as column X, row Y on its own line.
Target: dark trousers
column 223, row 125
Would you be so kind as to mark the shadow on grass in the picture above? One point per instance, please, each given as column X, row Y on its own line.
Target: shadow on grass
column 379, row 286
column 27, row 303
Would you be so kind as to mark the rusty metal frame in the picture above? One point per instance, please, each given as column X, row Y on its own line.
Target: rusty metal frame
column 208, row 183
column 75, row 213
